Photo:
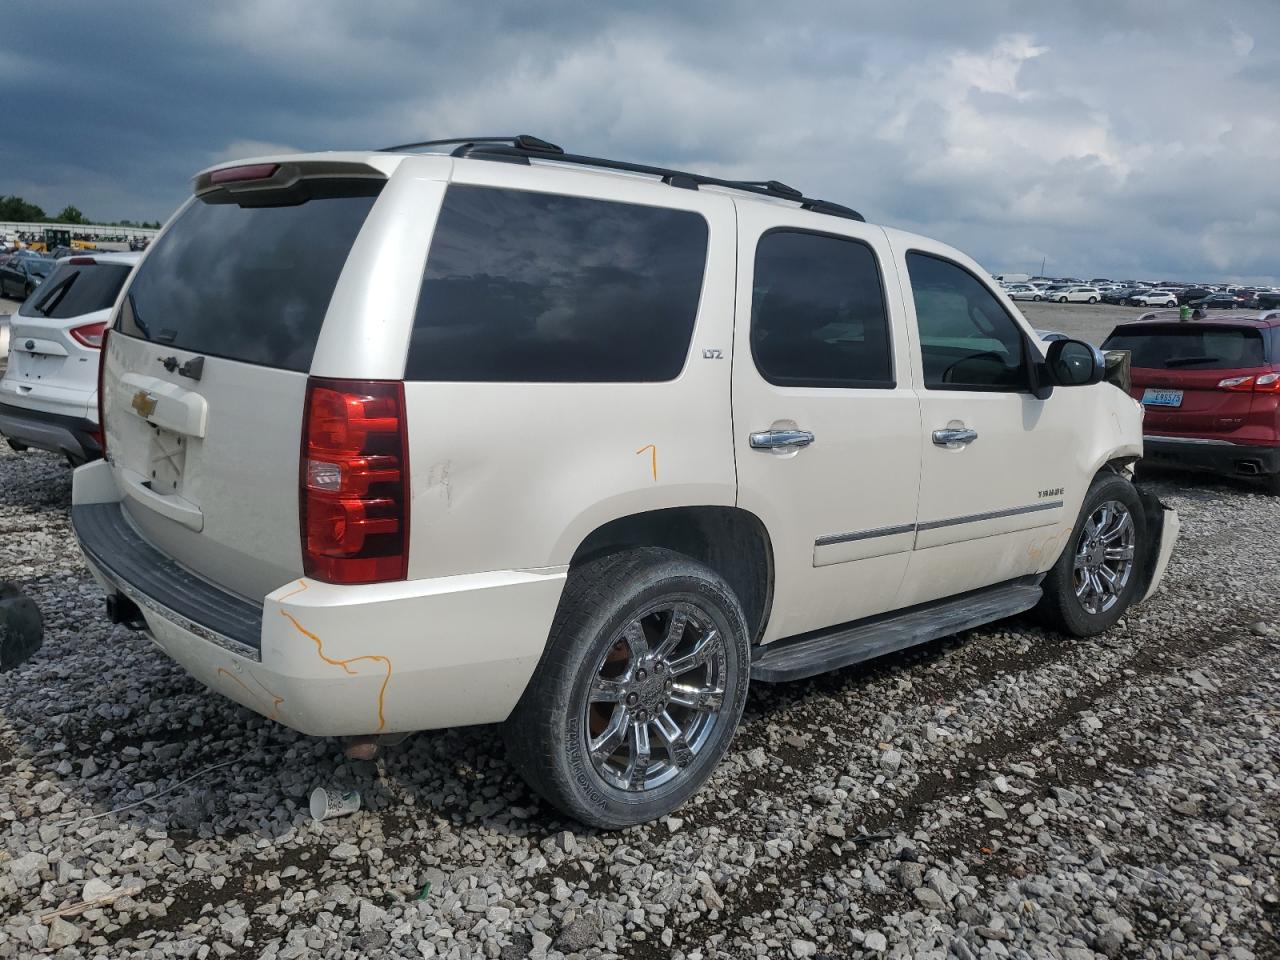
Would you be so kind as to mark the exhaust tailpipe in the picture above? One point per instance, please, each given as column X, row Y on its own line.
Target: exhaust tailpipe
column 122, row 610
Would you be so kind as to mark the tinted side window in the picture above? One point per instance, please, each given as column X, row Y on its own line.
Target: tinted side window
column 74, row 289
column 817, row 312
column 539, row 287
column 967, row 341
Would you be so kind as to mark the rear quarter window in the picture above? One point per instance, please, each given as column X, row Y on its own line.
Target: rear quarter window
column 74, row 289
column 1190, row 347
column 537, row 287
column 248, row 283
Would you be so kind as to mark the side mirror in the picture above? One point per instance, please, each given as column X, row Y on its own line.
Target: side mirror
column 1074, row 363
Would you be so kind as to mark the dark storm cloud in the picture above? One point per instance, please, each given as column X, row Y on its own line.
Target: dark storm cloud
column 1136, row 137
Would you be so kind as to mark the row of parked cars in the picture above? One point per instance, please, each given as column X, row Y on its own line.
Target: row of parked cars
column 21, row 271
column 423, row 559
column 1143, row 295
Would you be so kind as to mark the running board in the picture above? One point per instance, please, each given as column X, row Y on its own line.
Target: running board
column 810, row 654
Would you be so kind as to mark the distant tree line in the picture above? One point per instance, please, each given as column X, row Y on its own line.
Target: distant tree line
column 17, row 210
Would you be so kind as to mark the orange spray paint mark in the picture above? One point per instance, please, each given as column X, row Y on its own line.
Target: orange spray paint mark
column 650, row 446
column 302, row 585
column 345, row 664
column 276, row 700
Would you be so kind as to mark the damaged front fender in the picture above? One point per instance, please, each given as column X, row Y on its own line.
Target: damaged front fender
column 1162, row 525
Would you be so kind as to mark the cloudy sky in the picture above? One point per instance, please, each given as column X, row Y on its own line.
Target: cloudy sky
column 1121, row 138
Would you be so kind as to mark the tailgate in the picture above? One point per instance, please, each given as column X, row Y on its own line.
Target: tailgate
column 209, row 469
column 205, row 372
column 1204, row 409
column 49, row 369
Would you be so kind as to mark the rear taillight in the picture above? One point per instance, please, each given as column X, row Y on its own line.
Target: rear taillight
column 1239, row 384
column 90, row 335
column 102, row 407
column 354, row 477
column 1262, row 383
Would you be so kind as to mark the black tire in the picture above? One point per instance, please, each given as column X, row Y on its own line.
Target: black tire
column 1272, row 483
column 1060, row 608
column 1062, row 299
column 1093, row 299
column 548, row 732
column 1037, row 298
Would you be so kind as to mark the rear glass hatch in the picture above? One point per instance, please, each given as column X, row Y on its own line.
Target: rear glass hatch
column 207, row 452
column 77, row 286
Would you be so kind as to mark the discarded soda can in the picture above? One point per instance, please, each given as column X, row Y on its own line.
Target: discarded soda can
column 330, row 802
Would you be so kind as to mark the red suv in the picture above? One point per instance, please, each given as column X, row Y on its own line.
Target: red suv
column 1210, row 389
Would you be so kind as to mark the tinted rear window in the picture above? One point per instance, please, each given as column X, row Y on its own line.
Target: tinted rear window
column 248, row 283
column 1189, row 347
column 75, row 289
column 537, row 287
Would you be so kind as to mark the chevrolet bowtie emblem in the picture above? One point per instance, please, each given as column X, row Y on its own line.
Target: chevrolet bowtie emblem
column 144, row 403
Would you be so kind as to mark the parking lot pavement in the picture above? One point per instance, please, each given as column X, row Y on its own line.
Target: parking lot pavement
column 1090, row 322
column 1004, row 792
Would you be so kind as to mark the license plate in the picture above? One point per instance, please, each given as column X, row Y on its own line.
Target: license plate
column 1162, row 398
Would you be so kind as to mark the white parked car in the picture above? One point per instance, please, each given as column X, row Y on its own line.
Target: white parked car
column 1155, row 298
column 1076, row 295
column 583, row 452
column 1023, row 291
column 49, row 392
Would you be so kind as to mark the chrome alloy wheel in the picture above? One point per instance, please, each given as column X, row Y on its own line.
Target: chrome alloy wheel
column 655, row 696
column 1104, row 557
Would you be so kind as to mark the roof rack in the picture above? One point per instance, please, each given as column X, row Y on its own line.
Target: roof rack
column 523, row 148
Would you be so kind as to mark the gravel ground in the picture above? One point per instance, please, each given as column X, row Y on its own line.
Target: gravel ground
column 1091, row 322
column 1002, row 793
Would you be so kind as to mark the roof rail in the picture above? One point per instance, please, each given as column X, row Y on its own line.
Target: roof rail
column 523, row 148
column 523, row 141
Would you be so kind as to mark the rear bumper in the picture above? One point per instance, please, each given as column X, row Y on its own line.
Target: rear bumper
column 71, row 436
column 329, row 660
column 1210, row 455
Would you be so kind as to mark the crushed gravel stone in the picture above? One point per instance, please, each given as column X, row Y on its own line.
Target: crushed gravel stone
column 1003, row 793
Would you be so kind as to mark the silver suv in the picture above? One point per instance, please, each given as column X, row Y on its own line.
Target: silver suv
column 484, row 432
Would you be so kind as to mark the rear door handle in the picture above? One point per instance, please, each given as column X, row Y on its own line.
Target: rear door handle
column 774, row 439
column 953, row 435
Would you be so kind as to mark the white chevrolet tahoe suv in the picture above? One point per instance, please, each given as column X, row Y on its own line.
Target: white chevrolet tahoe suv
column 484, row 432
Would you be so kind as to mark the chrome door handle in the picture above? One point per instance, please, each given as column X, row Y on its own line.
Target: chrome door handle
column 773, row 439
column 945, row 438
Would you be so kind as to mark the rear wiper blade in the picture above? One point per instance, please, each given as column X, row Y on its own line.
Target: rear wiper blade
column 54, row 296
column 1190, row 361
column 137, row 317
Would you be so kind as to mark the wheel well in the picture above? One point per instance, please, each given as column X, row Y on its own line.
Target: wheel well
column 1122, row 466
column 730, row 541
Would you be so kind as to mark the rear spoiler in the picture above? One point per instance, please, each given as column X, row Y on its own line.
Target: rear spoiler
column 278, row 184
